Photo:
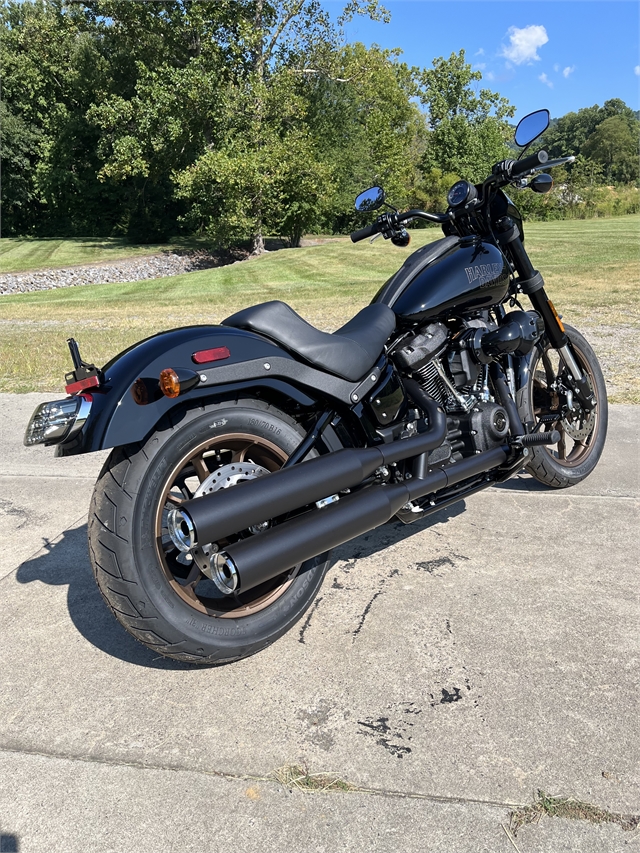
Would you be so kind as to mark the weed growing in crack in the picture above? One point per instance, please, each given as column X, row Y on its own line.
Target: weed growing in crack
column 293, row 776
column 568, row 808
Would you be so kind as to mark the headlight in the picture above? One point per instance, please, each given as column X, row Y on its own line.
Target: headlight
column 54, row 422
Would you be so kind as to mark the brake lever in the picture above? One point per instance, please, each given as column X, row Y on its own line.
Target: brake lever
column 375, row 237
column 551, row 163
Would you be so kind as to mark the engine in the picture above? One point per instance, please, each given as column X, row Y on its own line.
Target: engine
column 453, row 369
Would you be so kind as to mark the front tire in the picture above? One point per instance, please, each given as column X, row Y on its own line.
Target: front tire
column 582, row 434
column 155, row 591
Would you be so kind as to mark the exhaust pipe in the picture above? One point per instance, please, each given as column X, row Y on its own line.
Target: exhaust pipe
column 255, row 560
column 214, row 516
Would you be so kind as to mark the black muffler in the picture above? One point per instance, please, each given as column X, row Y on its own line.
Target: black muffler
column 257, row 559
column 212, row 517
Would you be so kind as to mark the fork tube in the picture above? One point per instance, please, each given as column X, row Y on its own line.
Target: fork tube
column 532, row 284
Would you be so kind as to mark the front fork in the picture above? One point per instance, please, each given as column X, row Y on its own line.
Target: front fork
column 531, row 283
column 577, row 379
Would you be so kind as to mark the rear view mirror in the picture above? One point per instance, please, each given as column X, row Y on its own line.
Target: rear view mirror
column 370, row 199
column 530, row 127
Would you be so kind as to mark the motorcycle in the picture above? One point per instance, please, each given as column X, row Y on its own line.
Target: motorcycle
column 243, row 453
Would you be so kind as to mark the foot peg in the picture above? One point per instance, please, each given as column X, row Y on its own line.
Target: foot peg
column 536, row 438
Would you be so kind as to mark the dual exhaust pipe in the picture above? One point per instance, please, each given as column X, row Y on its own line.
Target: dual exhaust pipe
column 257, row 559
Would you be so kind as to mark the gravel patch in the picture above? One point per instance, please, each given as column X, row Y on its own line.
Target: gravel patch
column 617, row 349
column 139, row 269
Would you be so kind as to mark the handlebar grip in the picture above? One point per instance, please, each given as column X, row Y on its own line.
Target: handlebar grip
column 532, row 162
column 363, row 233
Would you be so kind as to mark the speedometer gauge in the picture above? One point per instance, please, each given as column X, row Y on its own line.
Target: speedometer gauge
column 460, row 193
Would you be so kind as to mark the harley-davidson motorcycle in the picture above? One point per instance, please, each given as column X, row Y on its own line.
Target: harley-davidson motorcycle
column 243, row 453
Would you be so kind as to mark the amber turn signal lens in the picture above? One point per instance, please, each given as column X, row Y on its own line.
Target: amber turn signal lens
column 556, row 315
column 170, row 383
column 139, row 392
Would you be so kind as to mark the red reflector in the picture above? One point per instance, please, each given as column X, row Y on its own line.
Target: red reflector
column 81, row 384
column 205, row 355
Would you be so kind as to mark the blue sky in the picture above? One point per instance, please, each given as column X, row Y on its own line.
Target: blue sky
column 559, row 54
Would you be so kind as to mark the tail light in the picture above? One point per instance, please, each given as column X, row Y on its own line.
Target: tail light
column 58, row 421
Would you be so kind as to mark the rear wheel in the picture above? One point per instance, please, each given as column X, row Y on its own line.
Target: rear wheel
column 161, row 595
column 544, row 401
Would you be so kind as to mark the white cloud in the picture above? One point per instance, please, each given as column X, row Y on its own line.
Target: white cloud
column 544, row 79
column 479, row 52
column 524, row 43
column 568, row 70
column 480, row 66
column 489, row 75
column 636, row 70
column 556, row 67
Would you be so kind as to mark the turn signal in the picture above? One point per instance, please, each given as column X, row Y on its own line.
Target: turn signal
column 556, row 315
column 175, row 382
column 170, row 383
column 140, row 392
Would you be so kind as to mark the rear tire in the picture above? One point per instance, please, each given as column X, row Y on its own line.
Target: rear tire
column 155, row 592
column 582, row 434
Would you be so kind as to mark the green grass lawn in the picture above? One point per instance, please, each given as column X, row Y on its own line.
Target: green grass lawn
column 18, row 254
column 591, row 269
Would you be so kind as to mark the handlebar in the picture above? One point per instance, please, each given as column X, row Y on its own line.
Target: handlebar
column 503, row 174
column 532, row 162
column 363, row 233
column 388, row 221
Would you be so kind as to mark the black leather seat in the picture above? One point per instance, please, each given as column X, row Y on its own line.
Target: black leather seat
column 349, row 352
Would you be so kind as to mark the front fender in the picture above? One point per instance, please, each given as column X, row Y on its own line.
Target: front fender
column 115, row 417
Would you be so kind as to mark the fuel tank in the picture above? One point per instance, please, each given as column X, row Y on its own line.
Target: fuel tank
column 445, row 276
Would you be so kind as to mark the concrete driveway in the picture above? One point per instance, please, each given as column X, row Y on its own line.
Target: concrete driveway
column 447, row 672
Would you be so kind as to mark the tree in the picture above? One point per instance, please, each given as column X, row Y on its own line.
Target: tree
column 568, row 134
column 18, row 200
column 469, row 127
column 281, row 180
column 367, row 126
column 222, row 90
column 47, row 65
column 615, row 148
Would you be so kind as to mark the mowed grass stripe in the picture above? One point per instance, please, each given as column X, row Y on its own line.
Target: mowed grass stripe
column 19, row 254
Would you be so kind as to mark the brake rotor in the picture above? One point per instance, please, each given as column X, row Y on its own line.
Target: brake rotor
column 577, row 423
column 229, row 475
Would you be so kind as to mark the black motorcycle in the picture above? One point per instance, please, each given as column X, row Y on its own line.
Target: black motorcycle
column 243, row 453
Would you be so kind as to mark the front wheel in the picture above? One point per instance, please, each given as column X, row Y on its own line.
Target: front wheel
column 160, row 594
column 544, row 400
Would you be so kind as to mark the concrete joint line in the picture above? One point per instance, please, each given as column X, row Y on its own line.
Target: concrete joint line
column 560, row 493
column 50, row 477
column 248, row 777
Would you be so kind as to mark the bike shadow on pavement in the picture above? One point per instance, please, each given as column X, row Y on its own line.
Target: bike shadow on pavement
column 67, row 562
column 523, row 483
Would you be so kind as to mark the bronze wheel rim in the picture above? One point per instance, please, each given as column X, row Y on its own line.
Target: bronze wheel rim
column 184, row 576
column 578, row 435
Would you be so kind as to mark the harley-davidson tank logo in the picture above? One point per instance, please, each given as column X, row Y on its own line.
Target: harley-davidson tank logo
column 484, row 274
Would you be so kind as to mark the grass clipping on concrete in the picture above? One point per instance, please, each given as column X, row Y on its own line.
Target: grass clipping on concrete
column 292, row 776
column 590, row 267
column 546, row 805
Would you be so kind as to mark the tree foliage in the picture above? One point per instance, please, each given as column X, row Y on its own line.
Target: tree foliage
column 236, row 118
column 469, row 127
column 606, row 138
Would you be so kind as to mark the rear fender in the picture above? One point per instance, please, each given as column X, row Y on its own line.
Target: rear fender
column 116, row 419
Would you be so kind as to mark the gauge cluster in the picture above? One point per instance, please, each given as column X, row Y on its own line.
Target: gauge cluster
column 462, row 192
